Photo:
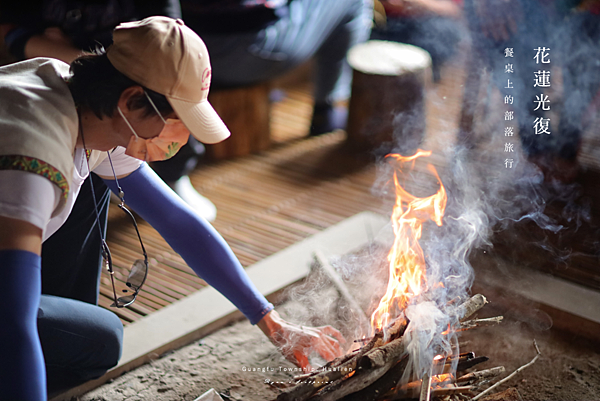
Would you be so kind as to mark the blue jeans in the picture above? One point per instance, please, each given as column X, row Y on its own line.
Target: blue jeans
column 80, row 340
column 439, row 36
column 325, row 29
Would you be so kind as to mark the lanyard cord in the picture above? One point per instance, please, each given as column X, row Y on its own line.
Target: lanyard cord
column 105, row 251
column 92, row 185
column 121, row 193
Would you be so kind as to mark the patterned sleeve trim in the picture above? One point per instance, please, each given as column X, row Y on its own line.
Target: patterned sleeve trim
column 36, row 166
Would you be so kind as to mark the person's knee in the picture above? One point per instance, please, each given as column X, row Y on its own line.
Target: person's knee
column 82, row 338
column 103, row 347
column 110, row 335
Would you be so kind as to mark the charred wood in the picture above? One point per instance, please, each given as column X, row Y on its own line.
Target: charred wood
column 469, row 324
column 370, row 368
column 449, row 361
column 440, row 392
column 425, row 393
column 470, row 306
column 471, row 362
column 323, row 379
column 373, row 372
column 383, row 386
column 412, row 389
column 387, row 354
column 481, row 374
column 304, row 390
column 349, row 385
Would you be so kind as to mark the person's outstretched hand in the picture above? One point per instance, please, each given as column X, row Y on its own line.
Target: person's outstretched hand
column 296, row 343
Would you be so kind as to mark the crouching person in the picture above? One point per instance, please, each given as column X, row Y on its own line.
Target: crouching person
column 67, row 135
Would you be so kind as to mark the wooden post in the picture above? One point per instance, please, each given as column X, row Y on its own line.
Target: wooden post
column 387, row 106
column 246, row 112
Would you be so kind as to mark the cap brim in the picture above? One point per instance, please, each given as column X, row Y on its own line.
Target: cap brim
column 201, row 119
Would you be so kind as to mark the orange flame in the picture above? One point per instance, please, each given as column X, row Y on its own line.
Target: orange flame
column 407, row 262
column 438, row 380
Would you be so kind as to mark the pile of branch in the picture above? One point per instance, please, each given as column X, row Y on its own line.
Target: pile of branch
column 373, row 372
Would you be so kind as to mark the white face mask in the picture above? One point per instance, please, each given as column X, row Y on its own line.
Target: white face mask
column 163, row 146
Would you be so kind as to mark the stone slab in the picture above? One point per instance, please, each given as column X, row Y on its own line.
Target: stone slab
column 570, row 306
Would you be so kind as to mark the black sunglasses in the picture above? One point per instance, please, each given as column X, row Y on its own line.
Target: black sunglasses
column 137, row 274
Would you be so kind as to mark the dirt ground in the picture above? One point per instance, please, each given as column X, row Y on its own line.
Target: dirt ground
column 568, row 368
column 240, row 364
column 224, row 361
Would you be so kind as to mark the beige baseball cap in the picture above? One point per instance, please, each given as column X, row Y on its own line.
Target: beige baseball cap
column 164, row 55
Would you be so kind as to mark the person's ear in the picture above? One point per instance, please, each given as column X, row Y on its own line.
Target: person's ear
column 128, row 98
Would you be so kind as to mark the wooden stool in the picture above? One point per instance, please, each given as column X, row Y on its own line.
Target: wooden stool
column 387, row 107
column 246, row 112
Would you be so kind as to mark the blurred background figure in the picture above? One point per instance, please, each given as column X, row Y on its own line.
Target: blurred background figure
column 570, row 30
column 433, row 25
column 253, row 41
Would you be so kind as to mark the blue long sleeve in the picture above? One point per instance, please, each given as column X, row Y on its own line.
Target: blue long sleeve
column 198, row 243
column 22, row 371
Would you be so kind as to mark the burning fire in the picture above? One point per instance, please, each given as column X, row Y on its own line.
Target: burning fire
column 406, row 259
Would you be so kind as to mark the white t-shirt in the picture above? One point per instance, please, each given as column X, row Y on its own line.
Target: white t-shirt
column 30, row 196
column 33, row 198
